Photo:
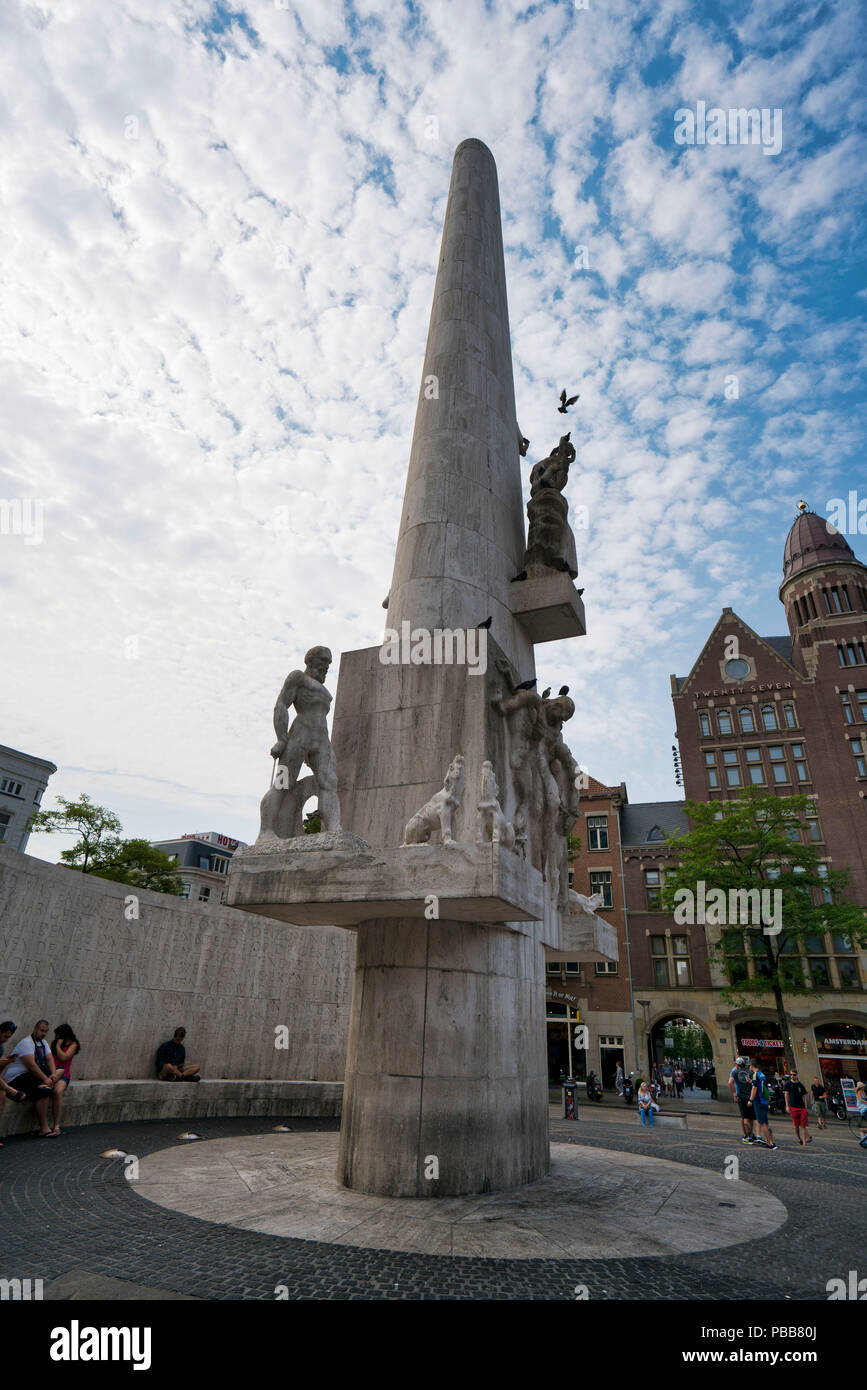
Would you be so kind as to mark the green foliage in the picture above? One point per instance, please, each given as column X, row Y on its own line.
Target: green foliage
column 691, row 1042
column 100, row 850
column 574, row 844
column 746, row 845
column 98, row 830
column 142, row 865
column 312, row 824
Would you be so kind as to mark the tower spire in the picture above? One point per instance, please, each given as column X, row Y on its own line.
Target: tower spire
column 461, row 537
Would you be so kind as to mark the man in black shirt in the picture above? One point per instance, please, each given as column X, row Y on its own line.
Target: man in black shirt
column 171, row 1060
column 820, row 1102
column 796, row 1103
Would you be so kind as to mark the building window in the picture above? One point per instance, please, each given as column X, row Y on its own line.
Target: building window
column 652, row 888
column 571, row 878
column 826, row 892
column 704, row 723
column 204, row 893
column 186, row 890
column 852, row 654
column 748, row 724
column 732, row 768
column 857, row 747
column 755, row 770
column 813, row 832
column 779, row 770
column 724, row 721
column 789, row 716
column 573, row 967
column 221, row 866
column 820, row 976
column 600, row 882
column 680, row 957
column 735, row 956
column 654, row 834
column 659, row 957
column 846, row 600
column 597, row 832
column 848, row 970
column 710, row 768
column 800, row 764
column 553, row 967
column 5, row 819
column 769, row 717
column 606, row 967
column 10, row 787
column 847, row 709
column 861, row 697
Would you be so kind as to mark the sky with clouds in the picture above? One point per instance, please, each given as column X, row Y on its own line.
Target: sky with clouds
column 220, row 229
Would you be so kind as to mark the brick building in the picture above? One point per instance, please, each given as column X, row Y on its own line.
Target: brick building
column 789, row 714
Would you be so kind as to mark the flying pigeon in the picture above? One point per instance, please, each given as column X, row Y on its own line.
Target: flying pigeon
column 565, row 404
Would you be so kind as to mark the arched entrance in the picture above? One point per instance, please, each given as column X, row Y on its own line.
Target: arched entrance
column 680, row 1040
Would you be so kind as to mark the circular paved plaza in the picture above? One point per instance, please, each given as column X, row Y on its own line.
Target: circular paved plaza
column 69, row 1216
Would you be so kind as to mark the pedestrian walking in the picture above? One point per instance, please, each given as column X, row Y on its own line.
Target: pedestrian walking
column 668, row 1076
column 796, row 1103
column 740, row 1085
column 759, row 1099
column 618, row 1079
column 819, row 1093
column 678, row 1081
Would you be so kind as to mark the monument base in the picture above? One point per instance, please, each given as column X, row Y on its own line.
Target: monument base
column 446, row 1080
column 548, row 607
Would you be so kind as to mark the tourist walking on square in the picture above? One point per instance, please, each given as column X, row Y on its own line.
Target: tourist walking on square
column 740, row 1085
column 668, row 1076
column 618, row 1079
column 678, row 1081
column 795, row 1093
column 819, row 1092
column 64, row 1047
column 759, row 1099
column 172, row 1064
column 645, row 1104
column 30, row 1070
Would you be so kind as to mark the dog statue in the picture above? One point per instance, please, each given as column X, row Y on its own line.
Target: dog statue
column 436, row 814
column 493, row 826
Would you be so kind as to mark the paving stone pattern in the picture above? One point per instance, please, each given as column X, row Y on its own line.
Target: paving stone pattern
column 65, row 1209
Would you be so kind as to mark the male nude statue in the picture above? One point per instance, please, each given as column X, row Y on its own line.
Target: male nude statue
column 306, row 742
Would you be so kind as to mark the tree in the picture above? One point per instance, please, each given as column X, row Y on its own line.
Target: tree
column 142, row 865
column 744, row 869
column 98, row 830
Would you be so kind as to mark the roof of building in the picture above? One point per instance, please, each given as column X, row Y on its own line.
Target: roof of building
column 781, row 645
column 810, row 542
column 639, row 821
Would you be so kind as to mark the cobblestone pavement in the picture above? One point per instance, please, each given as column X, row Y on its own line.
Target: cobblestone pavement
column 63, row 1208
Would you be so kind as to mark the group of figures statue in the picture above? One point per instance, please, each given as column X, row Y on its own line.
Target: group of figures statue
column 542, row 774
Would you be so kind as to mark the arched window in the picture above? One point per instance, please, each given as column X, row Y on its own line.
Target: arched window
column 724, row 720
column 655, row 833
column 748, row 724
column 769, row 717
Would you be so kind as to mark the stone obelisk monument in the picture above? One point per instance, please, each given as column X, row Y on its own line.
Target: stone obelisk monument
column 456, row 790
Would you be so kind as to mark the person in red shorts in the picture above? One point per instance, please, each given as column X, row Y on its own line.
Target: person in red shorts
column 796, row 1104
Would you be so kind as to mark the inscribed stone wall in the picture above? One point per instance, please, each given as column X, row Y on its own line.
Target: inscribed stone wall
column 69, row 954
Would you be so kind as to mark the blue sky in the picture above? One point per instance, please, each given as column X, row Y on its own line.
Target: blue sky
column 221, row 225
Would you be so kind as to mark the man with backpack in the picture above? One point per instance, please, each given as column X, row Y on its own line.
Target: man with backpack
column 760, row 1100
column 740, row 1085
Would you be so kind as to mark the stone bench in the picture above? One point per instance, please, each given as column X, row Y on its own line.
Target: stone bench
column 674, row 1121
column 113, row 1102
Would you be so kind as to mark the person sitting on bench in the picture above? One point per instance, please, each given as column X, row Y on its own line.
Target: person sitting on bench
column 171, row 1060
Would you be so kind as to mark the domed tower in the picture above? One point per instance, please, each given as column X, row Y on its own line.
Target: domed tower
column 824, row 590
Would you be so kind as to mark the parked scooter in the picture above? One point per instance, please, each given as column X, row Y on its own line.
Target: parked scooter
column 629, row 1088
column 837, row 1104
column 777, row 1102
column 594, row 1086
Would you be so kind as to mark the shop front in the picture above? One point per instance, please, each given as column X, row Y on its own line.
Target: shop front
column 761, row 1042
column 842, row 1049
column 565, row 1058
